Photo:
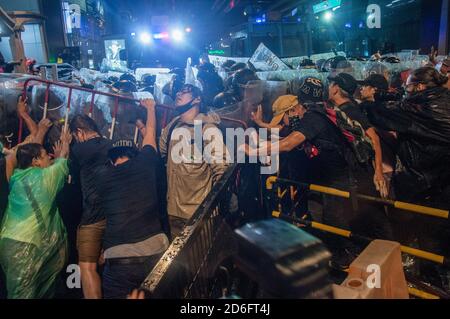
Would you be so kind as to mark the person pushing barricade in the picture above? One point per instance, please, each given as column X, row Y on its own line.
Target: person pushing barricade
column 191, row 178
column 33, row 239
column 88, row 155
column 135, row 236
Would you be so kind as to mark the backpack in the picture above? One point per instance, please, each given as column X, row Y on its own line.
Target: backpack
column 352, row 133
column 359, row 142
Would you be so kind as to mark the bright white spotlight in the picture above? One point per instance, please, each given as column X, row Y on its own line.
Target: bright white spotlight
column 328, row 16
column 177, row 35
column 145, row 38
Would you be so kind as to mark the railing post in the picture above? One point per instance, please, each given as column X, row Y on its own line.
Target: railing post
column 66, row 119
column 113, row 124
column 47, row 97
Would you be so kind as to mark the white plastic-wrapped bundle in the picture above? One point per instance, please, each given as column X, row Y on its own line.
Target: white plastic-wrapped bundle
column 91, row 76
column 161, row 81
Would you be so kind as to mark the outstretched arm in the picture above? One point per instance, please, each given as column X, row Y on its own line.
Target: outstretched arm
column 62, row 147
column 287, row 144
column 150, row 129
column 379, row 180
column 43, row 127
column 23, row 112
column 257, row 117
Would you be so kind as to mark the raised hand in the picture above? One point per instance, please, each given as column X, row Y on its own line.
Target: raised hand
column 149, row 104
column 62, row 147
column 57, row 149
column 66, row 137
column 44, row 125
column 381, row 184
column 257, row 116
column 22, row 106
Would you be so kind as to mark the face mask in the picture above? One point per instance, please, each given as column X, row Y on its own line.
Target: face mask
column 294, row 122
column 410, row 94
column 184, row 108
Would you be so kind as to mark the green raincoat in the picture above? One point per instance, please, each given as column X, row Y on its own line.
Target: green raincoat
column 33, row 239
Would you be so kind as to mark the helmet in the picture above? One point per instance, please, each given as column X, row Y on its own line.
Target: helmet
column 390, row 59
column 124, row 87
column 337, row 62
column 128, row 77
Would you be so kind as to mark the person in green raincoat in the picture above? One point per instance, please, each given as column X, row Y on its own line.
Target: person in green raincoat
column 33, row 239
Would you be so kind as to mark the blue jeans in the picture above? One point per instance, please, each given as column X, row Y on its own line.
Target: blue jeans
column 122, row 275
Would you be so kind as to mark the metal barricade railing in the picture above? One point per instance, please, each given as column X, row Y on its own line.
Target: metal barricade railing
column 350, row 235
column 442, row 260
column 273, row 183
column 117, row 98
column 188, row 268
column 408, row 207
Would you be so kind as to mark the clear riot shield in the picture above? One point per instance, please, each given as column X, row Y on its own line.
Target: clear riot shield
column 116, row 118
column 255, row 93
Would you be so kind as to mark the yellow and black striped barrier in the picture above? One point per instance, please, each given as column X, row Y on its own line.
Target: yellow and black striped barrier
column 424, row 210
column 442, row 260
column 422, row 294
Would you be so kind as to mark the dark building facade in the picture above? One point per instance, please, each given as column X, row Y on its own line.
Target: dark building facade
column 78, row 27
column 358, row 27
column 364, row 27
column 70, row 31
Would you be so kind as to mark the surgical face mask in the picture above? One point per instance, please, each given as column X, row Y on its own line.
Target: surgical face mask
column 184, row 108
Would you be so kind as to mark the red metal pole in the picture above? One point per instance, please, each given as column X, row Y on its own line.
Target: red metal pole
column 47, row 97
column 66, row 120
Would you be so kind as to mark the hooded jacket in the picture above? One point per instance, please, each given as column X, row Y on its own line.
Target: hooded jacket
column 191, row 180
column 422, row 123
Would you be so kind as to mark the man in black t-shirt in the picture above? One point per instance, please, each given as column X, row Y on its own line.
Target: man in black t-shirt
column 371, row 219
column 134, row 238
column 87, row 157
column 341, row 90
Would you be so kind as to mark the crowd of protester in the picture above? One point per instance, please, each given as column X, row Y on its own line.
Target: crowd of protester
column 374, row 137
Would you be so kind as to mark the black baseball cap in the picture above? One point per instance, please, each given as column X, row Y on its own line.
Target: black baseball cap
column 121, row 147
column 310, row 90
column 339, row 62
column 124, row 87
column 345, row 81
column 446, row 62
column 376, row 81
column 127, row 77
